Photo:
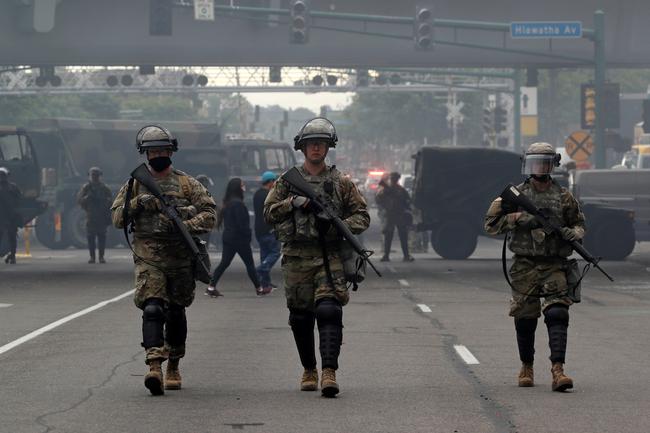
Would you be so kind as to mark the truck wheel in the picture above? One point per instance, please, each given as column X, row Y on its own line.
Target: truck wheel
column 611, row 240
column 74, row 223
column 454, row 240
column 45, row 232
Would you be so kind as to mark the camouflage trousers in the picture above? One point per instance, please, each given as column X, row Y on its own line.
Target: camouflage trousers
column 305, row 281
column 534, row 279
column 173, row 284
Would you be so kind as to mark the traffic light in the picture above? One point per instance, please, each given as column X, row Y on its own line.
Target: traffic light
column 532, row 77
column 646, row 116
column 588, row 106
column 488, row 121
column 300, row 20
column 423, row 26
column 500, row 119
column 275, row 74
column 160, row 17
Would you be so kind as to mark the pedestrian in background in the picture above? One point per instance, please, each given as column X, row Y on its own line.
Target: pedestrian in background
column 236, row 237
column 395, row 202
column 10, row 197
column 269, row 245
column 96, row 198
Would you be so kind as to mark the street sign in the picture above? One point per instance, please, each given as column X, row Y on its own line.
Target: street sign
column 579, row 145
column 454, row 112
column 529, row 126
column 529, row 101
column 545, row 29
column 204, row 10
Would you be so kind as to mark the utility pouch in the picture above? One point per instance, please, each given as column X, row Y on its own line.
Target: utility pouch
column 574, row 280
column 201, row 273
column 354, row 267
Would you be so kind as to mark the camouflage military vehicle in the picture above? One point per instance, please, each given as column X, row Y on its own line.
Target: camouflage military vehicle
column 453, row 187
column 18, row 156
column 67, row 148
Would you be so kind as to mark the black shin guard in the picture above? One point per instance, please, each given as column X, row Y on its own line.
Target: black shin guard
column 556, row 318
column 176, row 327
column 329, row 315
column 526, row 339
column 153, row 322
column 302, row 326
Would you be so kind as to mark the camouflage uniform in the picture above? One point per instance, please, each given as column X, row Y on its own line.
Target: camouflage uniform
column 540, row 259
column 95, row 198
column 163, row 264
column 305, row 279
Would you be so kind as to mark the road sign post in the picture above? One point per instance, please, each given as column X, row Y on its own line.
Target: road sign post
column 599, row 84
column 579, row 146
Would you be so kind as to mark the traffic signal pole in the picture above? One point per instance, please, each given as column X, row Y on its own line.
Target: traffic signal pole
column 516, row 76
column 600, row 157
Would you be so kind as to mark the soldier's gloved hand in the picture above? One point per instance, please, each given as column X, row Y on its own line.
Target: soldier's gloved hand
column 166, row 225
column 569, row 234
column 527, row 221
column 299, row 201
column 187, row 212
column 145, row 202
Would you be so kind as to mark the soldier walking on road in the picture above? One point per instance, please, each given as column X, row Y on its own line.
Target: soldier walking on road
column 10, row 197
column 314, row 281
column 96, row 198
column 540, row 262
column 395, row 203
column 164, row 274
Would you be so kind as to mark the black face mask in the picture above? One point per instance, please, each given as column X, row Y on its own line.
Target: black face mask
column 160, row 163
column 541, row 178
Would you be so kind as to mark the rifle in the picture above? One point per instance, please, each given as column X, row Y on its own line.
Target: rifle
column 142, row 175
column 513, row 196
column 295, row 179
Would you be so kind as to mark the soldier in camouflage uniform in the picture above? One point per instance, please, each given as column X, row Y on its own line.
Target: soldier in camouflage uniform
column 315, row 287
column 540, row 261
column 96, row 198
column 164, row 278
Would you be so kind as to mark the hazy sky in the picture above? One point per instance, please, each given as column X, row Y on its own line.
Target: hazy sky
column 313, row 101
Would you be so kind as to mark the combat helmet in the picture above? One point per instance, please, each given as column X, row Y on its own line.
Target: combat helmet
column 539, row 160
column 95, row 170
column 155, row 136
column 316, row 128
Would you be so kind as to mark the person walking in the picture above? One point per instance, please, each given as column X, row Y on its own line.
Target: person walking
column 95, row 198
column 10, row 197
column 236, row 238
column 269, row 245
column 396, row 204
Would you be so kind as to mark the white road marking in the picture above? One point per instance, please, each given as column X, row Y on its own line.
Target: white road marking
column 5, row 305
column 404, row 283
column 25, row 338
column 424, row 308
column 467, row 356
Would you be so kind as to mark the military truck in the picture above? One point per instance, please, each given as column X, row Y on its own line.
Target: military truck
column 67, row 148
column 453, row 188
column 18, row 156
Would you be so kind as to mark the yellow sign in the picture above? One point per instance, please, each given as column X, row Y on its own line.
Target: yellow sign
column 579, row 145
column 529, row 126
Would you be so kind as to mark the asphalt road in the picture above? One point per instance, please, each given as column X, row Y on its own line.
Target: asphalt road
column 427, row 348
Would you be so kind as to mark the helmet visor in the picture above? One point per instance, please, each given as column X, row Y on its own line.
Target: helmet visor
column 537, row 164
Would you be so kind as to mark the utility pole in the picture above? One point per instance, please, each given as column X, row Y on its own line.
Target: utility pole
column 599, row 85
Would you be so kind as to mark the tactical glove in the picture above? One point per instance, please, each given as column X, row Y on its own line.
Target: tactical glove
column 145, row 202
column 569, row 234
column 299, row 201
column 527, row 221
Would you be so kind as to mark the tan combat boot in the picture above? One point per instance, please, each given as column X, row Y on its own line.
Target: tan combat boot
column 328, row 385
column 526, row 377
column 561, row 382
column 172, row 375
column 153, row 380
column 309, row 381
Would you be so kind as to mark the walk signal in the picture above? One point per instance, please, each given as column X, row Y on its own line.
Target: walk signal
column 423, row 26
column 588, row 117
column 500, row 119
column 160, row 17
column 300, row 20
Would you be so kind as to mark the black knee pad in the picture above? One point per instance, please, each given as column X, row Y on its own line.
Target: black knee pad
column 301, row 318
column 302, row 326
column 556, row 314
column 176, row 329
column 525, row 328
column 153, row 322
column 329, row 312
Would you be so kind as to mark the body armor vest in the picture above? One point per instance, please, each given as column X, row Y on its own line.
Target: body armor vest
column 535, row 242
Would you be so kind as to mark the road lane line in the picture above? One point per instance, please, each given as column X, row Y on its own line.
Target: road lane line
column 404, row 283
column 464, row 353
column 25, row 338
column 5, row 305
column 392, row 269
column 424, row 308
